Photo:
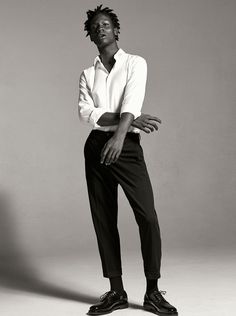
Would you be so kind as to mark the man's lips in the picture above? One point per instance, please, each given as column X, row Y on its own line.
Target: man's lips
column 101, row 35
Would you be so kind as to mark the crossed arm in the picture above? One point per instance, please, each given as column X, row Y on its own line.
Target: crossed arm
column 112, row 149
column 145, row 122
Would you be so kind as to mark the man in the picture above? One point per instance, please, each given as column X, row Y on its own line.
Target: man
column 111, row 97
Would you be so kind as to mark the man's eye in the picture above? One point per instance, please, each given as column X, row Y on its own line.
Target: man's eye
column 93, row 28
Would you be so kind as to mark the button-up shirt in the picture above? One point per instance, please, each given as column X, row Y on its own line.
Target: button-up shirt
column 118, row 91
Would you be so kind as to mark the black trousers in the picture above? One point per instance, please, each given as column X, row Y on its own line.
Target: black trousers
column 130, row 172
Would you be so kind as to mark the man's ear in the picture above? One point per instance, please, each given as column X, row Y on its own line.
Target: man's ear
column 116, row 31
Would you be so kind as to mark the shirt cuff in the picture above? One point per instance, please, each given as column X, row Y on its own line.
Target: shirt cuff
column 127, row 110
column 95, row 116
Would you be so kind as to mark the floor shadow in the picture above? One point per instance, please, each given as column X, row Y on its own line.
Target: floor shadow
column 17, row 272
column 20, row 279
column 135, row 306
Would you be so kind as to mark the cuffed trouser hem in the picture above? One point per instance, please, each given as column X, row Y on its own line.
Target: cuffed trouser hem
column 152, row 275
column 112, row 274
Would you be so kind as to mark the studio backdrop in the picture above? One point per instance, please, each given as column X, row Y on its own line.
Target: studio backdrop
column 190, row 50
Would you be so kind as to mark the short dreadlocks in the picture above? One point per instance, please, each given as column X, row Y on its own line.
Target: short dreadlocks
column 107, row 11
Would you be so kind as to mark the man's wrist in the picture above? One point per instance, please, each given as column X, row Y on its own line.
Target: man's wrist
column 126, row 120
column 120, row 135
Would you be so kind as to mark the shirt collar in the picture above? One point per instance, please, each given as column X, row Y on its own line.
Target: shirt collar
column 117, row 56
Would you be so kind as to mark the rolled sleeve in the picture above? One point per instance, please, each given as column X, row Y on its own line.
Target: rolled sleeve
column 87, row 110
column 135, row 87
column 95, row 116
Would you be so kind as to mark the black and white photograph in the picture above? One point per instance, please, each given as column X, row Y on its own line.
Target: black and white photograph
column 117, row 157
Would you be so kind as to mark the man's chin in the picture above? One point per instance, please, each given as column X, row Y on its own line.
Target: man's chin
column 102, row 44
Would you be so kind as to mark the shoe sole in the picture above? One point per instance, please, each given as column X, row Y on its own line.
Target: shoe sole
column 152, row 309
column 123, row 306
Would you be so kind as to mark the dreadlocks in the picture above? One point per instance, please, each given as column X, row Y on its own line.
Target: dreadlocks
column 107, row 11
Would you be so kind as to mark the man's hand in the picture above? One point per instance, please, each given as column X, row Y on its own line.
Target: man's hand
column 146, row 123
column 112, row 149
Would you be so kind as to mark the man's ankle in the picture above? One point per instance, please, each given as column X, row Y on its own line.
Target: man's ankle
column 116, row 284
column 151, row 285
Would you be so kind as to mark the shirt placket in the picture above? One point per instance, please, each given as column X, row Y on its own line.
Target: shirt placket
column 107, row 91
column 109, row 107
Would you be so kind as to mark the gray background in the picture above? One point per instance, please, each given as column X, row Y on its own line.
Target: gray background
column 190, row 49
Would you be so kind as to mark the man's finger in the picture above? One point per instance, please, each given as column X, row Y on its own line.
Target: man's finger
column 155, row 118
column 148, row 117
column 104, row 153
column 154, row 124
column 150, row 127
column 146, row 130
column 115, row 157
column 109, row 157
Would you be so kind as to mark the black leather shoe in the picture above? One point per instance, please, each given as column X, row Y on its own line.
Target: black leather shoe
column 155, row 302
column 109, row 302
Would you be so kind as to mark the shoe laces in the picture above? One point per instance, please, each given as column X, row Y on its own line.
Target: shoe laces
column 158, row 295
column 107, row 295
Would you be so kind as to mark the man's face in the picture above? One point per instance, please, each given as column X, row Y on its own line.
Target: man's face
column 102, row 30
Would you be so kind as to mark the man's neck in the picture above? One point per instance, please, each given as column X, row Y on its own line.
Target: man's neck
column 107, row 53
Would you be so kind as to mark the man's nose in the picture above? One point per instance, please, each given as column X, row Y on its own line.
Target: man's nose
column 100, row 28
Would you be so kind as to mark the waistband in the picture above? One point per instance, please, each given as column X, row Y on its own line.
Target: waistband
column 131, row 135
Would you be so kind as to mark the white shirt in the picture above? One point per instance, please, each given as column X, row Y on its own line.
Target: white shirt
column 121, row 90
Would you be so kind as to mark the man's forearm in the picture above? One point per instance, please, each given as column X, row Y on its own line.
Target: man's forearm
column 145, row 122
column 126, row 120
column 108, row 119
